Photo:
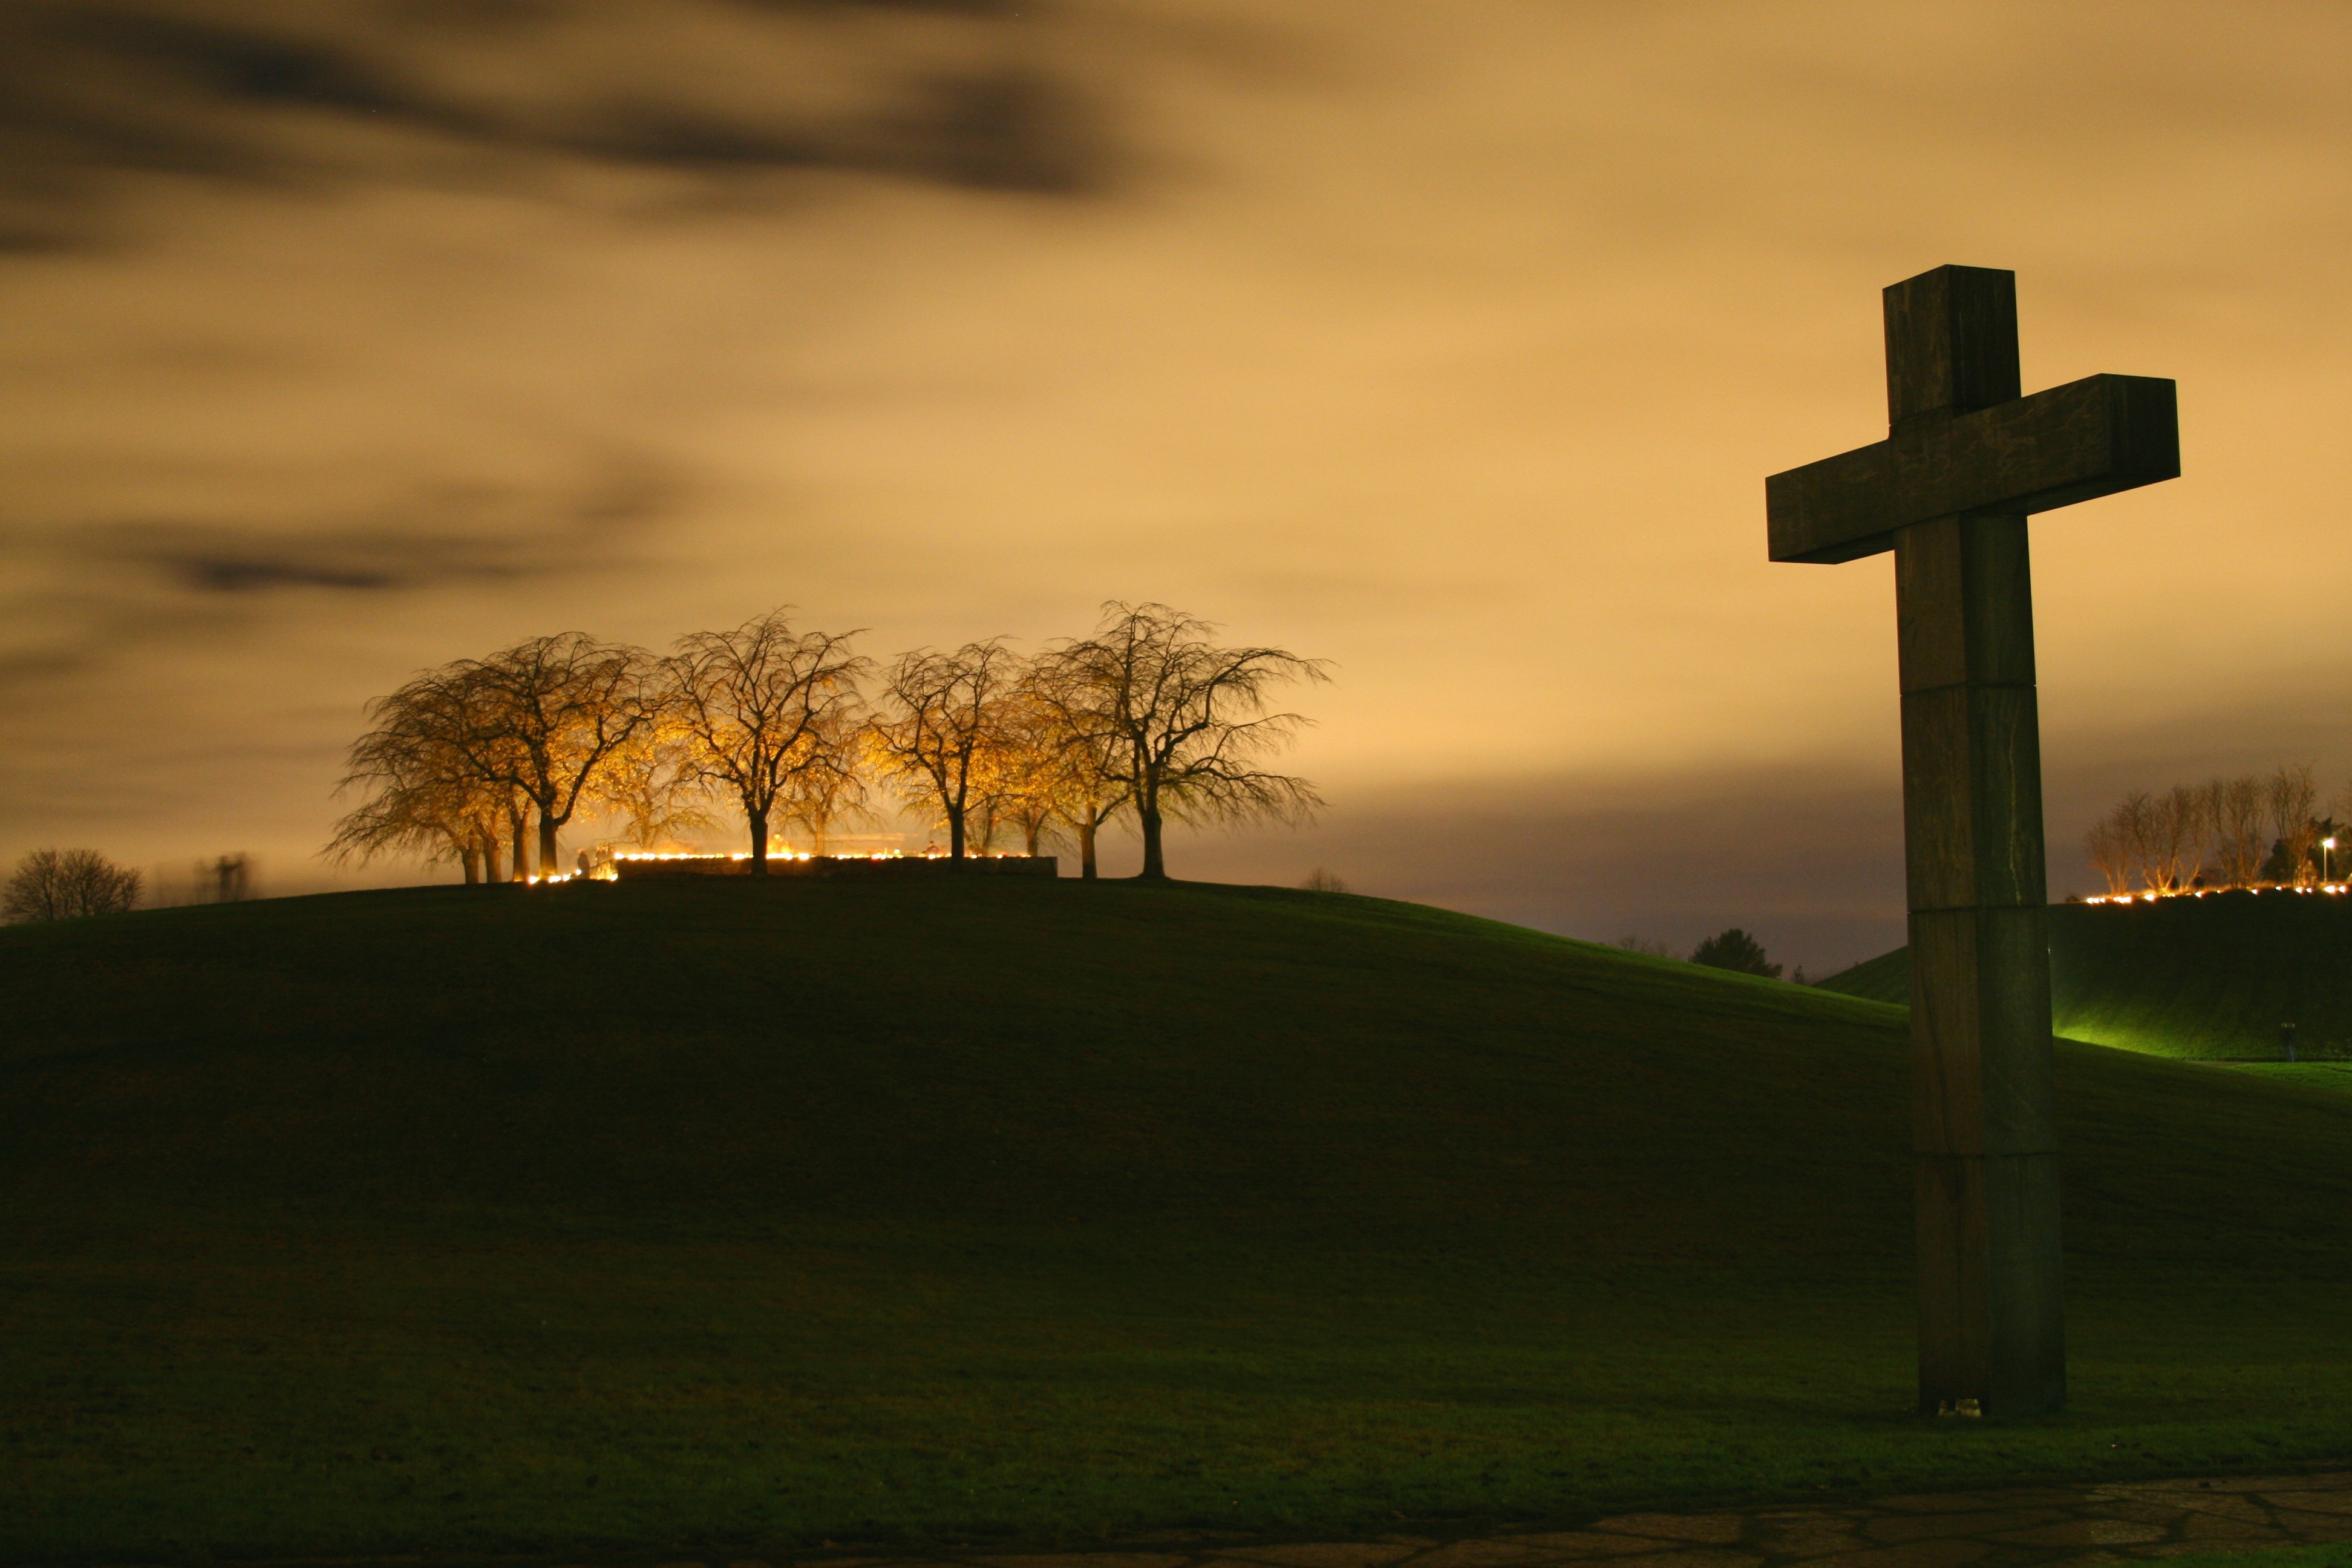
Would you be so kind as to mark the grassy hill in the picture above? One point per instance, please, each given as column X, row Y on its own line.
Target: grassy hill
column 719, row 1215
column 2212, row 977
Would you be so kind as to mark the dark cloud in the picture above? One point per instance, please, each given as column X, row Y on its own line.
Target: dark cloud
column 117, row 590
column 209, row 563
column 950, row 93
column 241, row 66
column 1007, row 129
column 448, row 534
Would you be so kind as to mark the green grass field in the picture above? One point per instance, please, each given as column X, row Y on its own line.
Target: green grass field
column 2334, row 1556
column 698, row 1216
column 2210, row 977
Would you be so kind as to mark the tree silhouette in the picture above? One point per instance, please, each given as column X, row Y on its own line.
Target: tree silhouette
column 1182, row 722
column 1735, row 949
column 66, row 884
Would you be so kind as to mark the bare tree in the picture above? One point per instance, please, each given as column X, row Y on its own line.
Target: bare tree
column 1184, row 721
column 985, row 815
column 761, row 705
column 543, row 716
column 1077, row 749
column 2104, row 845
column 2292, row 801
column 55, row 885
column 430, row 819
column 2135, row 820
column 424, row 795
column 832, row 787
column 1086, row 796
column 1025, row 763
column 2212, row 809
column 2172, row 838
column 650, row 784
column 940, row 713
column 2239, row 806
column 2343, row 807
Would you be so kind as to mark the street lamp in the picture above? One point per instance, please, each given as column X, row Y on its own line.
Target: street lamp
column 2325, row 844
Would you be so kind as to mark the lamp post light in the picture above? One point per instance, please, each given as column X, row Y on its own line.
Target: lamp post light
column 2325, row 846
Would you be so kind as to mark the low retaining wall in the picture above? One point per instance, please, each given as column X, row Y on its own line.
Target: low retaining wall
column 628, row 870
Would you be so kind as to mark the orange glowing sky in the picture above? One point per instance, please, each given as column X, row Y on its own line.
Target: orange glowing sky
column 1451, row 343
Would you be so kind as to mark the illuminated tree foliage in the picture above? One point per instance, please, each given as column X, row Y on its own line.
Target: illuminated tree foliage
column 833, row 788
column 650, row 785
column 530, row 727
column 767, row 716
column 942, row 717
column 1148, row 719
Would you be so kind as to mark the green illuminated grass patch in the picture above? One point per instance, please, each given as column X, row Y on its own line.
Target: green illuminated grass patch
column 2211, row 977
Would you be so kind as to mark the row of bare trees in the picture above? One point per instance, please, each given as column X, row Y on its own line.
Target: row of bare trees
column 2253, row 830
column 1150, row 720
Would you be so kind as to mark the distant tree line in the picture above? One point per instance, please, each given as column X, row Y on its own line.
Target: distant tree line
column 1148, row 721
column 2254, row 830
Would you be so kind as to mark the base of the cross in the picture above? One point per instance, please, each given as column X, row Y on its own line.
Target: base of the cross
column 1992, row 1338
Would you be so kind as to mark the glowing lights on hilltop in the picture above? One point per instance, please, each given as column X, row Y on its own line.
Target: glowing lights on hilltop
column 605, row 865
column 2149, row 898
column 745, row 854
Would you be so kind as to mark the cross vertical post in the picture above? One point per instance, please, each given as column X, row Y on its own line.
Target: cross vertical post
column 1991, row 1319
column 1966, row 460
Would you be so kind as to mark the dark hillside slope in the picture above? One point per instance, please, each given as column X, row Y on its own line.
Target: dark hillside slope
column 643, row 1215
column 2211, row 977
column 710, row 1052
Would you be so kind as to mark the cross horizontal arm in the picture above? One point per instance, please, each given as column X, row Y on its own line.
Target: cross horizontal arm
column 2087, row 438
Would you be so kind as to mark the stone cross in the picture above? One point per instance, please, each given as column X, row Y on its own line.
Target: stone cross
column 1965, row 460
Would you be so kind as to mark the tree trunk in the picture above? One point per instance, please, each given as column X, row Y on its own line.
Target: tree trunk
column 1155, row 866
column 1087, row 845
column 759, row 821
column 546, row 846
column 490, row 858
column 955, row 833
column 471, row 859
column 520, row 825
column 1029, row 835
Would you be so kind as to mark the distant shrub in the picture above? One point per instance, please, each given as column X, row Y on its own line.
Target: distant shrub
column 1318, row 880
column 1735, row 949
column 60, row 884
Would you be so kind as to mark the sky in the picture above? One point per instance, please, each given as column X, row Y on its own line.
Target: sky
column 1449, row 343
